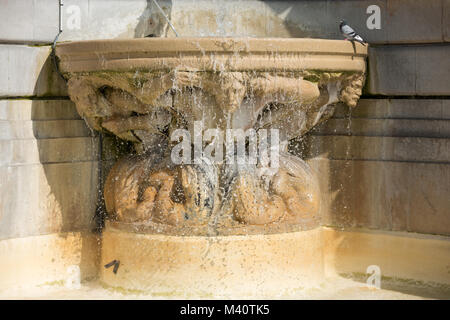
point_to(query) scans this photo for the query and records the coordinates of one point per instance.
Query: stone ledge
(44, 260)
(400, 255)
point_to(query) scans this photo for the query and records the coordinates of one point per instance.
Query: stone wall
(48, 174)
(387, 167)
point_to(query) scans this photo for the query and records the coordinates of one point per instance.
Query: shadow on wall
(317, 18)
(296, 18)
(65, 177)
(152, 23)
(65, 186)
(68, 153)
(287, 19)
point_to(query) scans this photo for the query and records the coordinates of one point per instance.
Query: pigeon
(349, 33)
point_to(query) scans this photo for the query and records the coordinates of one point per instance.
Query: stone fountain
(187, 213)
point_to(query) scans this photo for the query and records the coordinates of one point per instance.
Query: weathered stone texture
(21, 109)
(399, 255)
(28, 71)
(413, 149)
(414, 109)
(429, 118)
(385, 195)
(414, 21)
(47, 198)
(45, 260)
(387, 127)
(409, 70)
(381, 169)
(446, 19)
(48, 168)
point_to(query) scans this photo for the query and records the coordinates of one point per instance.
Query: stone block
(47, 198)
(385, 127)
(392, 71)
(40, 261)
(385, 195)
(433, 70)
(446, 109)
(432, 109)
(406, 257)
(103, 19)
(414, 21)
(428, 191)
(31, 151)
(446, 19)
(17, 20)
(38, 21)
(38, 110)
(409, 70)
(13, 129)
(28, 71)
(395, 199)
(413, 149)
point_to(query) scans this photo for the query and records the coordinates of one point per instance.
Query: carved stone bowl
(144, 90)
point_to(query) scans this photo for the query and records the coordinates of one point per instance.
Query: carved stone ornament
(144, 90)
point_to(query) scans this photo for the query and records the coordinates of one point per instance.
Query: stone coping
(212, 54)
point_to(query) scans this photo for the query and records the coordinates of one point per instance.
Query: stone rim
(212, 54)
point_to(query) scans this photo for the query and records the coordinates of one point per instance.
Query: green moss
(161, 294)
(121, 290)
(59, 283)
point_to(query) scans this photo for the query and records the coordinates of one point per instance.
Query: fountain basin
(248, 265)
(213, 224)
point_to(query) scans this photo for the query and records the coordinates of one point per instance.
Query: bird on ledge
(349, 33)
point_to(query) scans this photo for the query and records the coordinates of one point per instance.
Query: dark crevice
(400, 97)
(35, 98)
